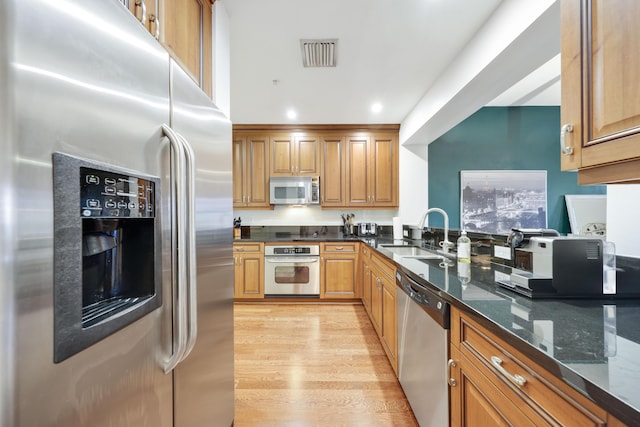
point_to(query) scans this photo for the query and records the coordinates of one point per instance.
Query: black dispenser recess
(106, 251)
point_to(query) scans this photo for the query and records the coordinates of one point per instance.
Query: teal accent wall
(502, 138)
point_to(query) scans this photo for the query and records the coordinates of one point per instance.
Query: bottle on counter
(464, 248)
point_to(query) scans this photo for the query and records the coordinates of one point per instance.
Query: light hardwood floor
(313, 365)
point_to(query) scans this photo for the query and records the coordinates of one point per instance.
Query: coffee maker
(547, 265)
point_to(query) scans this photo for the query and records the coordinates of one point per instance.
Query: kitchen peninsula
(578, 351)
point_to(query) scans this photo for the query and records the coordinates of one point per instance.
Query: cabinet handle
(452, 381)
(339, 248)
(153, 18)
(516, 379)
(566, 128)
(140, 4)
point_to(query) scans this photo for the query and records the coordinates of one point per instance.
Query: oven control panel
(292, 251)
(111, 195)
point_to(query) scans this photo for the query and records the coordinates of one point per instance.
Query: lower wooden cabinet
(494, 384)
(364, 275)
(248, 263)
(384, 312)
(338, 270)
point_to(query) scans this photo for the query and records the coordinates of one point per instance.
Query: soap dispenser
(464, 248)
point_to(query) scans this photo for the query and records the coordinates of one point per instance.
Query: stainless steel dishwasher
(423, 329)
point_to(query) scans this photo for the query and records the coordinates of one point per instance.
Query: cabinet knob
(564, 130)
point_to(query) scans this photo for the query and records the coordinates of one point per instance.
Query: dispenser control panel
(111, 195)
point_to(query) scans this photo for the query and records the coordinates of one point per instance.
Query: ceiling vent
(319, 52)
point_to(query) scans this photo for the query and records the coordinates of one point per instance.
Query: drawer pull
(452, 381)
(339, 248)
(516, 379)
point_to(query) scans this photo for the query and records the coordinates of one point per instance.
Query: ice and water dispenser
(106, 251)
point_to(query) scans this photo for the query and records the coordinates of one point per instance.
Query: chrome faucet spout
(446, 244)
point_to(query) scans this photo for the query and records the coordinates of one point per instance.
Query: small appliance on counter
(367, 229)
(560, 267)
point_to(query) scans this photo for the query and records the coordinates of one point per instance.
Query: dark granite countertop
(592, 345)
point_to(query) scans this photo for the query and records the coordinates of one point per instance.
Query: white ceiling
(412, 56)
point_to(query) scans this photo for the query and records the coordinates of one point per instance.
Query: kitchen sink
(411, 252)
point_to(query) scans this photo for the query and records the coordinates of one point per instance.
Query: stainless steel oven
(292, 270)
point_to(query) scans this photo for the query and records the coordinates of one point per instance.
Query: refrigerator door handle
(192, 304)
(178, 195)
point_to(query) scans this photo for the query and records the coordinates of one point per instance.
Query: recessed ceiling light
(376, 108)
(292, 114)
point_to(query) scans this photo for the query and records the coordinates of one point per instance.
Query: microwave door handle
(192, 276)
(178, 191)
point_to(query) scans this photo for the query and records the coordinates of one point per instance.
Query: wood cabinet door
(187, 33)
(600, 64)
(384, 170)
(358, 171)
(332, 174)
(366, 286)
(257, 167)
(238, 168)
(307, 155)
(389, 335)
(376, 300)
(282, 155)
(476, 402)
(249, 276)
(338, 276)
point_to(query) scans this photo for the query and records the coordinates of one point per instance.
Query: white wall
(221, 58)
(308, 215)
(414, 188)
(623, 215)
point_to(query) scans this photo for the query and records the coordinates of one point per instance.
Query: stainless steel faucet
(446, 244)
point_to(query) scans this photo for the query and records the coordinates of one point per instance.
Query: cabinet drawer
(541, 394)
(384, 267)
(255, 247)
(339, 247)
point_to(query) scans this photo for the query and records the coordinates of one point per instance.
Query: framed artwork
(587, 214)
(495, 201)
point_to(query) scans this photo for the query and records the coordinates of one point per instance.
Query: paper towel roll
(397, 228)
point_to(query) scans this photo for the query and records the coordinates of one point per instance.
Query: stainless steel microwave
(294, 190)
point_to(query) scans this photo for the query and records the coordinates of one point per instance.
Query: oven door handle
(280, 260)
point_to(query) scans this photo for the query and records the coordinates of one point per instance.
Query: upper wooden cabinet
(372, 165)
(187, 32)
(600, 114)
(250, 171)
(146, 12)
(333, 181)
(357, 164)
(185, 29)
(295, 155)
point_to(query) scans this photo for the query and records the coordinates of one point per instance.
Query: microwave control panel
(106, 194)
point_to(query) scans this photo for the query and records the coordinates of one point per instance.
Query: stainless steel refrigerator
(115, 196)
